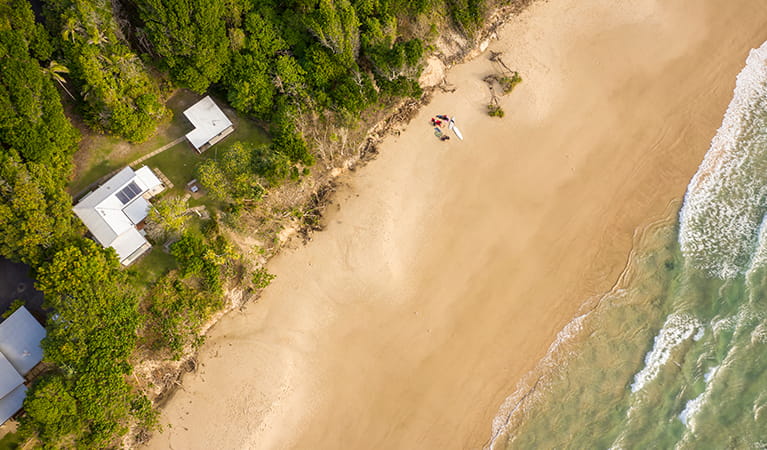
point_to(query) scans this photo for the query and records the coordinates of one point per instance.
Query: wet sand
(447, 268)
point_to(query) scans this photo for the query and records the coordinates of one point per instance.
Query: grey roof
(208, 120)
(20, 351)
(10, 378)
(20, 336)
(12, 403)
(102, 212)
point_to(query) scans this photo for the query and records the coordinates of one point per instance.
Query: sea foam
(677, 329)
(693, 407)
(690, 410)
(721, 220)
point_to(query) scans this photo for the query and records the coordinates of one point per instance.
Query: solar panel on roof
(128, 193)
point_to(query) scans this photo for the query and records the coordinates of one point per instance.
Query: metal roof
(116, 207)
(20, 336)
(208, 120)
(12, 403)
(10, 378)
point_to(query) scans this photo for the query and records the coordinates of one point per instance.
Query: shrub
(495, 110)
(509, 82)
(261, 278)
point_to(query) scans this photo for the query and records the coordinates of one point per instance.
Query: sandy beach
(447, 268)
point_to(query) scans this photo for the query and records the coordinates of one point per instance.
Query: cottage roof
(20, 336)
(116, 207)
(10, 378)
(11, 403)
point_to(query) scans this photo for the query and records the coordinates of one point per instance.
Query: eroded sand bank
(448, 268)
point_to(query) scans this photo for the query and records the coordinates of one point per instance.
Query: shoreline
(538, 378)
(313, 333)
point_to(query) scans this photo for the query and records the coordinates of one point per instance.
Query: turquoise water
(675, 356)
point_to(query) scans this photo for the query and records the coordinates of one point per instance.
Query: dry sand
(448, 268)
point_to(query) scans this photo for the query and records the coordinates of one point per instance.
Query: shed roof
(208, 120)
(20, 336)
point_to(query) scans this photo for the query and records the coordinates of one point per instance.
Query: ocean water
(675, 356)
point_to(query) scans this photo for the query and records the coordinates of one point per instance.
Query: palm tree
(86, 91)
(97, 37)
(54, 70)
(71, 29)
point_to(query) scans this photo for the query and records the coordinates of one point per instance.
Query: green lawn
(150, 267)
(101, 155)
(179, 163)
(11, 441)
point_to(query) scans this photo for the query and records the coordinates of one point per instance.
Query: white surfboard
(455, 129)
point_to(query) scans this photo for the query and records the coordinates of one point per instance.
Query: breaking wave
(676, 330)
(721, 221)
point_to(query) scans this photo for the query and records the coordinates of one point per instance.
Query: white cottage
(210, 124)
(112, 211)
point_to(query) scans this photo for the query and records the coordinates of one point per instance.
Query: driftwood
(444, 86)
(496, 58)
(504, 76)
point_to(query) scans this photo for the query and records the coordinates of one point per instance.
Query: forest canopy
(36, 140)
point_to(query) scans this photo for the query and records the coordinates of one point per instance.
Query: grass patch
(179, 163)
(153, 265)
(11, 441)
(100, 155)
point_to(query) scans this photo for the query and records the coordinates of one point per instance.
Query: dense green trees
(91, 335)
(280, 60)
(467, 14)
(251, 73)
(231, 177)
(51, 409)
(36, 141)
(118, 94)
(189, 38)
(32, 120)
(177, 310)
(203, 258)
(335, 25)
(241, 173)
(35, 212)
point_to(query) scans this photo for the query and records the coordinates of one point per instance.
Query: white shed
(210, 124)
